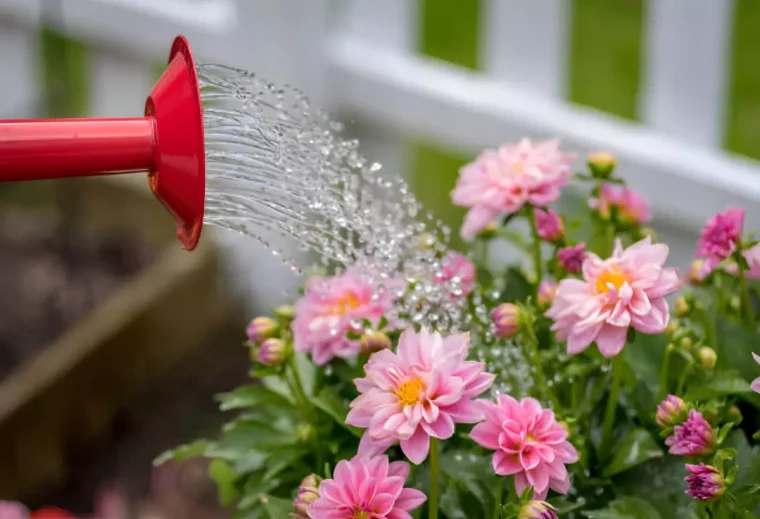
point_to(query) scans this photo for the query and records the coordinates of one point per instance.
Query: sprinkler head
(178, 174)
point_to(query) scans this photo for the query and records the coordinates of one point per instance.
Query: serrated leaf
(637, 447)
(249, 396)
(183, 452)
(625, 508)
(331, 404)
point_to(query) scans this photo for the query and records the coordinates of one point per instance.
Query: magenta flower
(271, 352)
(261, 328)
(459, 272)
(500, 182)
(364, 488)
(330, 308)
(756, 383)
(705, 482)
(537, 510)
(571, 258)
(529, 444)
(547, 291)
(671, 411)
(420, 391)
(694, 437)
(719, 237)
(506, 320)
(626, 290)
(549, 225)
(629, 206)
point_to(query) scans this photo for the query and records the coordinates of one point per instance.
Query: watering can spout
(167, 143)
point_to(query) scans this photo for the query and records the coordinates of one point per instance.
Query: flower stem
(434, 470)
(664, 372)
(499, 495)
(297, 386)
(536, 360)
(609, 413)
(684, 376)
(708, 325)
(537, 261)
(749, 314)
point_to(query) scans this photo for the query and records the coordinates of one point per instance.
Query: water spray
(167, 142)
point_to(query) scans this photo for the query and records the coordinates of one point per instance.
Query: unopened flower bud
(488, 232)
(682, 307)
(373, 342)
(686, 343)
(671, 330)
(307, 493)
(736, 303)
(705, 482)
(547, 291)
(695, 274)
(707, 357)
(734, 415)
(571, 258)
(601, 164)
(692, 438)
(262, 328)
(285, 312)
(549, 225)
(271, 352)
(671, 411)
(506, 320)
(537, 510)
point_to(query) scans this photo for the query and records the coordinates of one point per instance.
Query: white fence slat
(119, 84)
(19, 90)
(390, 23)
(686, 65)
(525, 42)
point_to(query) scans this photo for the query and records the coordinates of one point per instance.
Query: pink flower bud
(671, 411)
(537, 510)
(307, 494)
(549, 225)
(601, 164)
(506, 320)
(705, 482)
(271, 352)
(694, 437)
(547, 290)
(571, 258)
(261, 328)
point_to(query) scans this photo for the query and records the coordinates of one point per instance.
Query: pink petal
(399, 468)
(465, 411)
(756, 385)
(410, 498)
(611, 340)
(417, 447)
(506, 465)
(442, 428)
(486, 435)
(381, 504)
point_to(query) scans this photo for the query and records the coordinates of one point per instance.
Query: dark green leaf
(282, 459)
(625, 508)
(183, 452)
(224, 477)
(331, 404)
(659, 481)
(249, 396)
(307, 370)
(637, 447)
(517, 287)
(724, 383)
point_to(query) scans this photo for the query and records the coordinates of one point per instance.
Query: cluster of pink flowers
(500, 182)
(626, 290)
(720, 238)
(330, 308)
(629, 206)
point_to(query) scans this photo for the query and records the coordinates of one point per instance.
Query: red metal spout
(167, 142)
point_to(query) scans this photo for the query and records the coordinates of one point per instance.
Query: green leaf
(242, 436)
(183, 452)
(307, 370)
(282, 459)
(625, 508)
(659, 481)
(224, 477)
(723, 384)
(249, 396)
(517, 287)
(275, 507)
(637, 447)
(331, 404)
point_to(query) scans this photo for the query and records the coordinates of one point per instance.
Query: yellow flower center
(361, 515)
(344, 304)
(408, 393)
(613, 276)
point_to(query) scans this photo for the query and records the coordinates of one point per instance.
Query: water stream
(278, 167)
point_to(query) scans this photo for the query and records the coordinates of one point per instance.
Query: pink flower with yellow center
(629, 206)
(420, 391)
(720, 237)
(499, 182)
(330, 308)
(457, 271)
(626, 290)
(529, 444)
(364, 488)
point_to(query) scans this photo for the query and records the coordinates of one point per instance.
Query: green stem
(297, 387)
(499, 495)
(434, 470)
(537, 261)
(684, 376)
(749, 314)
(609, 413)
(664, 372)
(536, 359)
(609, 240)
(484, 253)
(708, 325)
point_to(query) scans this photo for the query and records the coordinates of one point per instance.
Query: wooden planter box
(65, 398)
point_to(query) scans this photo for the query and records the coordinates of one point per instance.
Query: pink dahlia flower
(625, 290)
(756, 383)
(705, 482)
(330, 308)
(694, 437)
(529, 444)
(500, 182)
(571, 258)
(719, 237)
(459, 272)
(364, 488)
(549, 225)
(420, 391)
(629, 206)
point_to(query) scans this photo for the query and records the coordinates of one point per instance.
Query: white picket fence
(356, 57)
